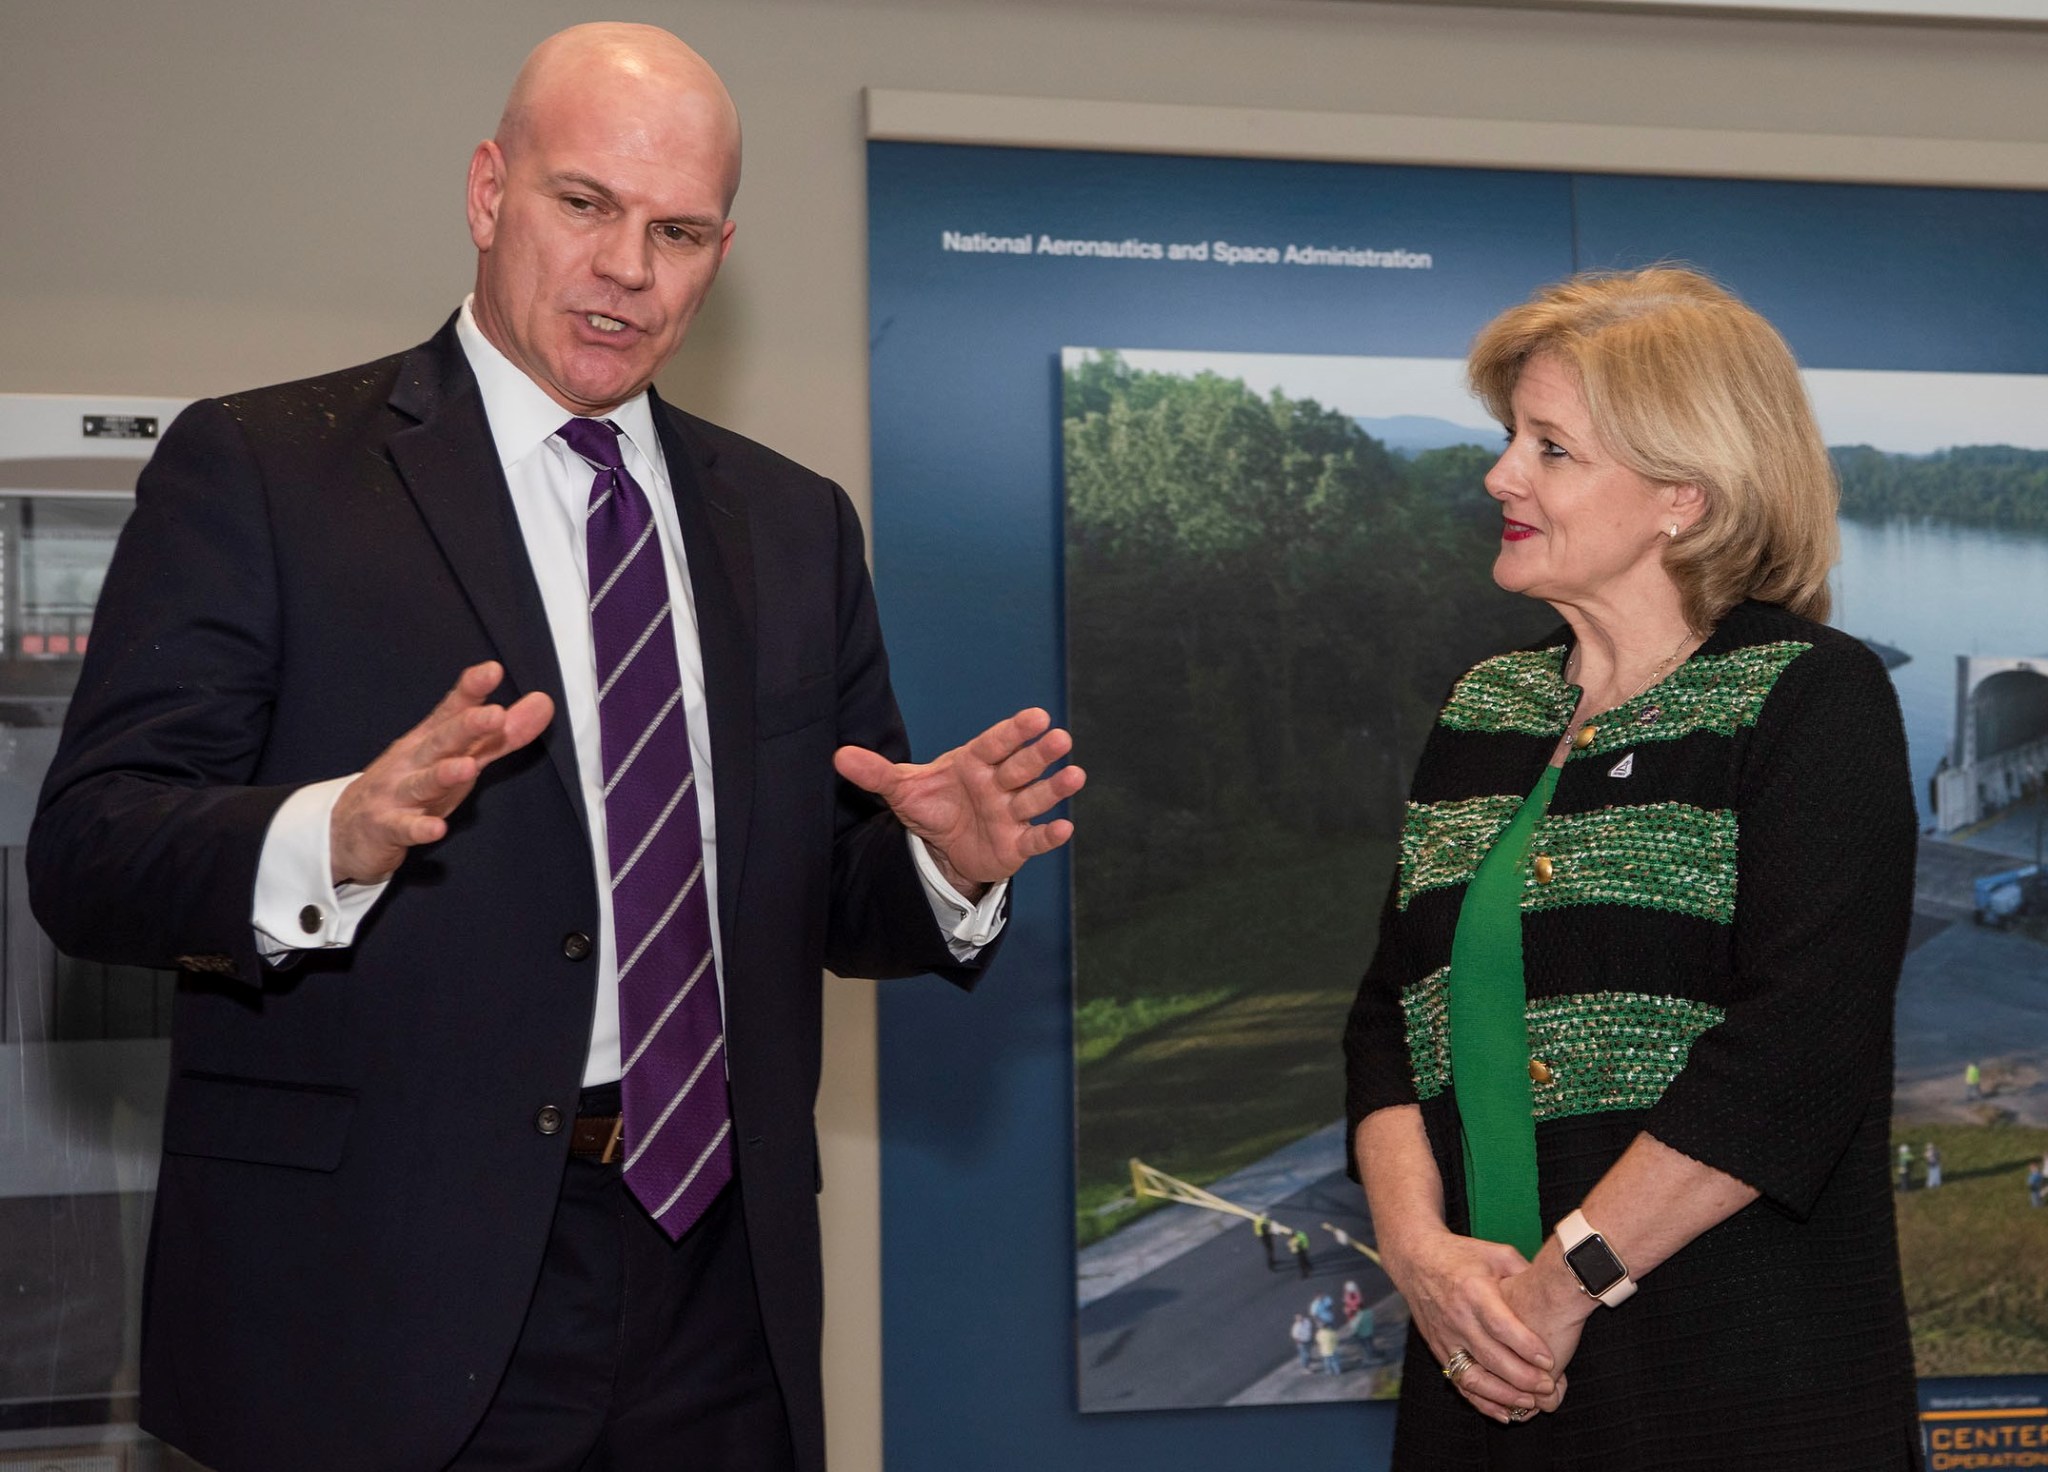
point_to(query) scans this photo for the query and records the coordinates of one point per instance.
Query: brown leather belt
(595, 1137)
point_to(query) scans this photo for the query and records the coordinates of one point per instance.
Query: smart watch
(1600, 1273)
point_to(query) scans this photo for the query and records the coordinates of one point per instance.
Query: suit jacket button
(310, 919)
(576, 945)
(549, 1120)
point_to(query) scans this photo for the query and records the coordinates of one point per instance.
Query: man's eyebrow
(584, 183)
(587, 185)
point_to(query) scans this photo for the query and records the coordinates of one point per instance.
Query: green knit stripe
(1721, 693)
(1603, 1050)
(1522, 691)
(1658, 856)
(1427, 1006)
(1611, 1050)
(1443, 842)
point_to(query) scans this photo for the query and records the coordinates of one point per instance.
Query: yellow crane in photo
(1157, 1184)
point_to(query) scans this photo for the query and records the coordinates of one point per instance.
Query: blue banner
(986, 265)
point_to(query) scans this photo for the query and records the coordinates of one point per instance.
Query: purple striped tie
(678, 1128)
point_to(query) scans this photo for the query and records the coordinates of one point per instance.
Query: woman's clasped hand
(1457, 1290)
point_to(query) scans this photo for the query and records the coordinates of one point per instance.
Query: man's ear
(486, 192)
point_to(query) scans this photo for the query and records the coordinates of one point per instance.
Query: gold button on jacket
(1544, 869)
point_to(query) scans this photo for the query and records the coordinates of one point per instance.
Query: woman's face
(1579, 527)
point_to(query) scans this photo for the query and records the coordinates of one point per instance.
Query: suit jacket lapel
(449, 464)
(719, 545)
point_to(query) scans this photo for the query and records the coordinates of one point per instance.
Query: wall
(199, 197)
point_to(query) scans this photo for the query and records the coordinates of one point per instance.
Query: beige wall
(196, 197)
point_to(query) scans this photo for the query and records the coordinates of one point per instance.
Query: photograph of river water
(1933, 590)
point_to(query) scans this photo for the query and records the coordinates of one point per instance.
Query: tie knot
(596, 440)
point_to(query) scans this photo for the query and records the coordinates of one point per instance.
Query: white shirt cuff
(968, 926)
(298, 906)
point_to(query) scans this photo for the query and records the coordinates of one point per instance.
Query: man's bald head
(600, 210)
(614, 63)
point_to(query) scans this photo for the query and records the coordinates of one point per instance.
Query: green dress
(1490, 1038)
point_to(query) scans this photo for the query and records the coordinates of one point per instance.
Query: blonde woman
(1620, 1071)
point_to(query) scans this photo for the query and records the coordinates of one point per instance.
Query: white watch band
(1575, 1229)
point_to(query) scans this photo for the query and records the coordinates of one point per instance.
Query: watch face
(1595, 1266)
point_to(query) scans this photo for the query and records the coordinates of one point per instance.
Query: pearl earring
(1673, 532)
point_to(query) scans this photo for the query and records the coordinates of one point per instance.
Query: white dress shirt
(550, 485)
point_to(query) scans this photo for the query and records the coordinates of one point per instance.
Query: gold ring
(1461, 1361)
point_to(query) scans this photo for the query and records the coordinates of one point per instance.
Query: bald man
(501, 754)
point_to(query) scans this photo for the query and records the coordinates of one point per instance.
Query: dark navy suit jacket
(355, 1192)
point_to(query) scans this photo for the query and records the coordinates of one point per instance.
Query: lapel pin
(1623, 767)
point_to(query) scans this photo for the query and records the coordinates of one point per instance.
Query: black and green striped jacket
(1714, 917)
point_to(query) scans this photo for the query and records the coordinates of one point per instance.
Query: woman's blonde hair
(1686, 384)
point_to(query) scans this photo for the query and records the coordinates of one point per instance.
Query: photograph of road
(1275, 565)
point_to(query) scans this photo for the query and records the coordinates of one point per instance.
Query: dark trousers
(638, 1354)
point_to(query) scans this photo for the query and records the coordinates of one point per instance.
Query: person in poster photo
(1619, 1074)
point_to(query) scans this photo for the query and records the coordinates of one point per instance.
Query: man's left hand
(974, 806)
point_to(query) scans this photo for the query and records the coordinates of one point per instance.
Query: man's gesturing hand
(404, 797)
(974, 806)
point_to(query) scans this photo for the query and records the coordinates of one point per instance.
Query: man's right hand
(404, 797)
